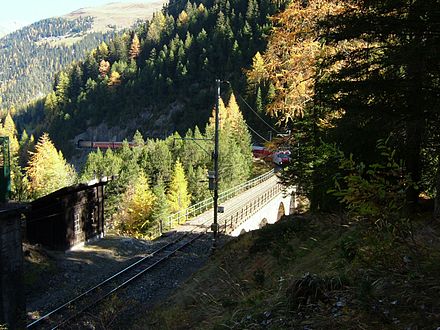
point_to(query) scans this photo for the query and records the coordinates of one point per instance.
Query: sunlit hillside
(30, 56)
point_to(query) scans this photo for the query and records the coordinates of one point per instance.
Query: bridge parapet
(183, 216)
(237, 217)
(266, 208)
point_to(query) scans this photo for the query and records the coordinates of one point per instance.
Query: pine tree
(51, 107)
(240, 134)
(259, 101)
(178, 196)
(102, 52)
(157, 161)
(62, 89)
(47, 169)
(92, 168)
(24, 148)
(115, 79)
(197, 184)
(7, 128)
(235, 154)
(160, 209)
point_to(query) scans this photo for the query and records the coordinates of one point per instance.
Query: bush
(377, 192)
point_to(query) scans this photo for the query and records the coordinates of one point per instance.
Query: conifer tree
(62, 89)
(160, 209)
(24, 148)
(7, 128)
(197, 184)
(47, 169)
(178, 196)
(157, 161)
(258, 101)
(240, 135)
(235, 158)
(92, 168)
(115, 79)
(102, 52)
(104, 68)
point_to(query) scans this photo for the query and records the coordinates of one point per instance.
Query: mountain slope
(119, 15)
(310, 272)
(159, 78)
(31, 56)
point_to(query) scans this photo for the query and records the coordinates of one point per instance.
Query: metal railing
(236, 217)
(182, 216)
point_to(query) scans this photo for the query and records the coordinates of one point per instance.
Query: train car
(281, 158)
(87, 144)
(261, 152)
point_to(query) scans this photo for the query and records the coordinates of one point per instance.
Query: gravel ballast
(54, 277)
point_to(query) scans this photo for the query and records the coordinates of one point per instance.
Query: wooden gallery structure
(67, 217)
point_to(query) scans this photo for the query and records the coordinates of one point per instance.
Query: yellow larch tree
(290, 62)
(178, 196)
(135, 48)
(47, 169)
(139, 201)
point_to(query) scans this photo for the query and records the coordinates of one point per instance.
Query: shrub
(377, 192)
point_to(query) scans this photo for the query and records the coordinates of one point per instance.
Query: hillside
(30, 56)
(158, 78)
(117, 15)
(311, 272)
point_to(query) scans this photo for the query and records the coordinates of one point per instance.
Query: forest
(159, 78)
(148, 181)
(359, 96)
(356, 83)
(31, 56)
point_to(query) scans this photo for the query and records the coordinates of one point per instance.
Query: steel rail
(47, 316)
(89, 306)
(225, 195)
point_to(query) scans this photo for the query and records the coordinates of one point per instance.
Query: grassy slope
(121, 15)
(112, 16)
(312, 272)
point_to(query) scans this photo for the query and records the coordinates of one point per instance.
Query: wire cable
(256, 133)
(255, 112)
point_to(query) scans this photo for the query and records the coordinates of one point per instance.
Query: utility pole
(215, 226)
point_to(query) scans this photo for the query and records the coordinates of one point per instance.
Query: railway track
(61, 316)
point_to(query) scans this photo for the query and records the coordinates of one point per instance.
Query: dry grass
(119, 15)
(311, 273)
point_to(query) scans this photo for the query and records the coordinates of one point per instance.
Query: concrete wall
(12, 299)
(282, 204)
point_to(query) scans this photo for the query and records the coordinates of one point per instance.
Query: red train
(261, 152)
(280, 157)
(84, 144)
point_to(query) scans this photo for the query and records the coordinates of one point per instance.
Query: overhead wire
(256, 133)
(255, 112)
